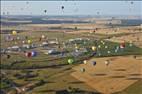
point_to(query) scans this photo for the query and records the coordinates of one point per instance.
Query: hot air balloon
(29, 41)
(85, 61)
(62, 7)
(33, 53)
(42, 36)
(94, 48)
(99, 46)
(70, 61)
(14, 32)
(28, 54)
(45, 11)
(94, 63)
(82, 69)
(106, 47)
(122, 45)
(108, 52)
(107, 62)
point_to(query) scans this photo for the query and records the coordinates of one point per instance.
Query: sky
(71, 8)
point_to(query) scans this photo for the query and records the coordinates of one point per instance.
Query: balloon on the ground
(108, 52)
(70, 61)
(28, 54)
(122, 45)
(85, 61)
(33, 53)
(93, 48)
(94, 63)
(107, 62)
(29, 41)
(82, 69)
(42, 36)
(99, 46)
(14, 32)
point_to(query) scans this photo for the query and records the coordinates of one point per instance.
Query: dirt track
(118, 75)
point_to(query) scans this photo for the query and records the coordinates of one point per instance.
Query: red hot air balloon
(28, 54)
(122, 45)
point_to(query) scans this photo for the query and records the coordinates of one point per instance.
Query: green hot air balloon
(70, 61)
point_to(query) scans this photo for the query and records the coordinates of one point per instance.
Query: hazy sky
(72, 7)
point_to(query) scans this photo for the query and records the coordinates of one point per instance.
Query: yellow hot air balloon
(93, 48)
(29, 41)
(14, 32)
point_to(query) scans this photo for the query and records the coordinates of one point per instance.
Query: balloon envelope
(33, 53)
(93, 48)
(62, 7)
(85, 61)
(94, 63)
(82, 69)
(70, 61)
(14, 32)
(29, 41)
(28, 54)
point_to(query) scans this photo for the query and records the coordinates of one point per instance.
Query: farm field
(70, 54)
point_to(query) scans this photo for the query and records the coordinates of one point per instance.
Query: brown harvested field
(117, 76)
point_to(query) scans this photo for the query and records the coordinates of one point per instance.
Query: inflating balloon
(70, 61)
